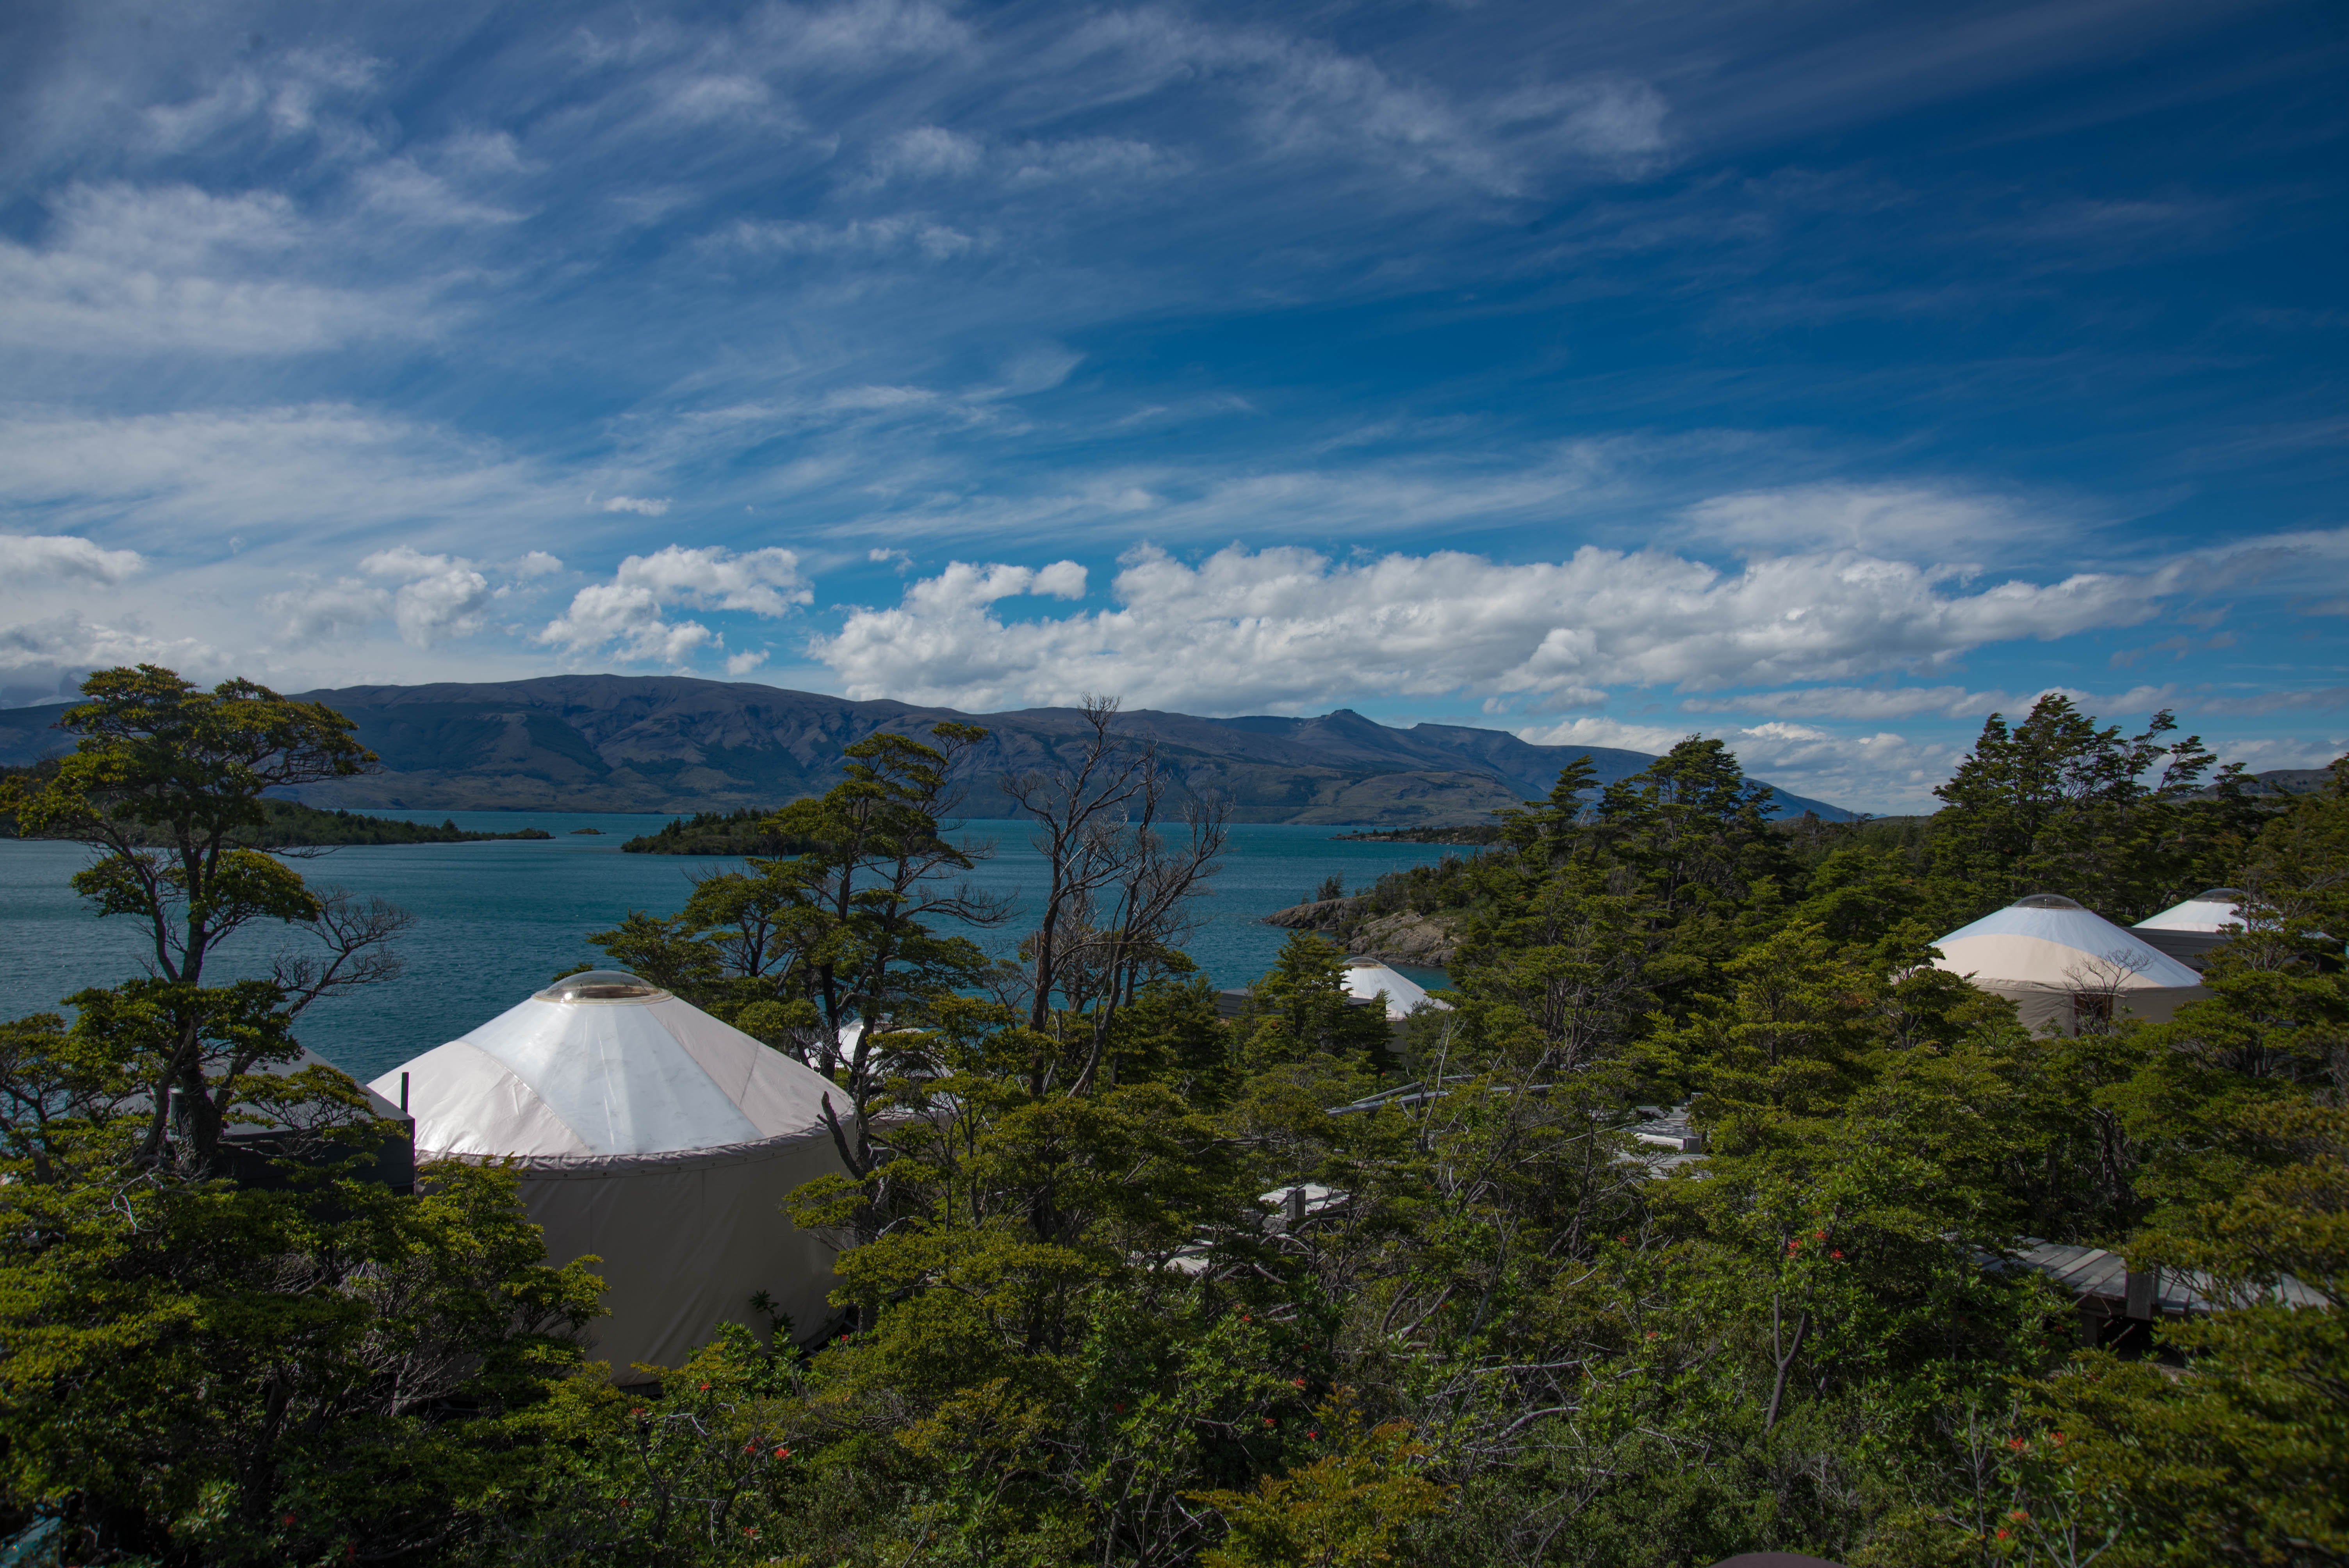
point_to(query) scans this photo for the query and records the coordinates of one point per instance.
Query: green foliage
(742, 831)
(1130, 1283)
(1301, 1009)
(2057, 805)
(200, 1372)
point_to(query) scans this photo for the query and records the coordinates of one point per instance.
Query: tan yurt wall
(2063, 966)
(649, 1135)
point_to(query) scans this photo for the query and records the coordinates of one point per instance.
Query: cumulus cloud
(537, 563)
(627, 614)
(1286, 627)
(30, 558)
(640, 505)
(440, 596)
(47, 657)
(316, 612)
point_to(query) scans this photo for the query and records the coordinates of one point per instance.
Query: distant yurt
(2063, 966)
(1366, 977)
(2188, 931)
(652, 1135)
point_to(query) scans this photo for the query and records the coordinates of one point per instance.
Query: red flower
(1297, 1382)
(1267, 1421)
(2017, 1444)
(287, 1521)
(2018, 1516)
(705, 1388)
(1116, 1409)
(1312, 1434)
(2001, 1535)
(2054, 1437)
(1836, 1254)
(1822, 1235)
(783, 1453)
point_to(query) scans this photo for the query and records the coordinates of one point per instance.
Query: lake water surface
(494, 921)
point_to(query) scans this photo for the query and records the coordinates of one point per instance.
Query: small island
(737, 832)
(1458, 833)
(289, 825)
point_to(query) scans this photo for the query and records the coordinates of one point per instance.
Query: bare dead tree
(1117, 890)
(352, 937)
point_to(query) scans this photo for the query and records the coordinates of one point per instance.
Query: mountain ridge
(676, 743)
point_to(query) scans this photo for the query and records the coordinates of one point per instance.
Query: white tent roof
(602, 1065)
(1366, 977)
(2048, 940)
(2207, 911)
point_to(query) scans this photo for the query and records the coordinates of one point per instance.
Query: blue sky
(1821, 376)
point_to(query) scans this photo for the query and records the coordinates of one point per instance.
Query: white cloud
(537, 563)
(306, 473)
(637, 504)
(1883, 520)
(627, 612)
(29, 558)
(739, 664)
(1287, 628)
(137, 269)
(859, 237)
(47, 657)
(439, 597)
(925, 153)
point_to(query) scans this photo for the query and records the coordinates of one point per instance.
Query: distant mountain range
(663, 743)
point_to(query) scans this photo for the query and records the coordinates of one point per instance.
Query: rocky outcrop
(1403, 936)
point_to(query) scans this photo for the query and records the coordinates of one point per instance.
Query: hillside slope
(665, 743)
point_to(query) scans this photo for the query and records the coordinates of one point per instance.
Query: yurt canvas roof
(2046, 940)
(650, 1135)
(602, 1065)
(2207, 911)
(1366, 977)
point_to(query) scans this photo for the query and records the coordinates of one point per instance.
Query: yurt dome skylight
(601, 985)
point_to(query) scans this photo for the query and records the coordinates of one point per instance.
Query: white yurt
(652, 1135)
(2062, 965)
(1366, 977)
(2189, 930)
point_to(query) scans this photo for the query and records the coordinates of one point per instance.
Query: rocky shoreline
(1405, 936)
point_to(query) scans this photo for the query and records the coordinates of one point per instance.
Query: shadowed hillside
(624, 743)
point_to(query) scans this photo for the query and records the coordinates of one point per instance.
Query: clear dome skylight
(602, 985)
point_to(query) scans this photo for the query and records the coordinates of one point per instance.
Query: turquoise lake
(494, 921)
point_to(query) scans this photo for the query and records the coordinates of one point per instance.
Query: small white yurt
(1366, 977)
(2188, 931)
(2063, 966)
(652, 1135)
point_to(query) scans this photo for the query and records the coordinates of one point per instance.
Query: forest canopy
(1692, 1225)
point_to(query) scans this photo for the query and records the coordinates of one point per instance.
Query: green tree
(2057, 805)
(163, 781)
(1301, 1009)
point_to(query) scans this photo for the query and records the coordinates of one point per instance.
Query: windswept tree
(165, 784)
(823, 954)
(2122, 823)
